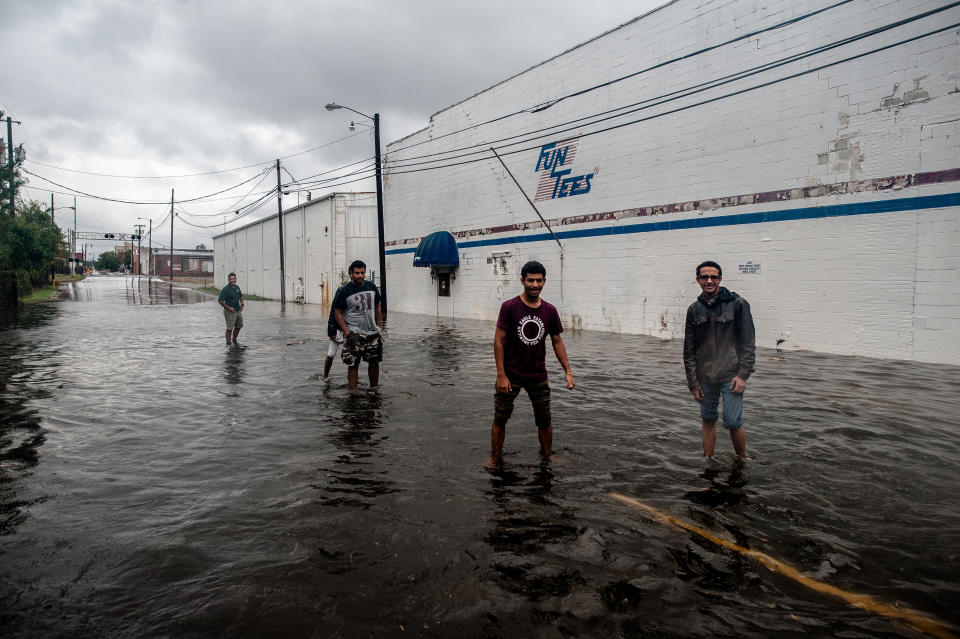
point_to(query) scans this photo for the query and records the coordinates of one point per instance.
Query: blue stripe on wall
(786, 215)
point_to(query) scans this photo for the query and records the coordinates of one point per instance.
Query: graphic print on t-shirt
(531, 330)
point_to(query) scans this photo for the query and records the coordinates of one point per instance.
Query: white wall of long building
(831, 199)
(321, 239)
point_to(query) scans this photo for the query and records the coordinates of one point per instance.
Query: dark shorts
(539, 393)
(368, 348)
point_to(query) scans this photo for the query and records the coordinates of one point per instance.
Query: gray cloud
(167, 88)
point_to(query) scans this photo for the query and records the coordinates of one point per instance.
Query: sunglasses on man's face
(707, 278)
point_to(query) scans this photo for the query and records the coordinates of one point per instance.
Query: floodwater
(154, 482)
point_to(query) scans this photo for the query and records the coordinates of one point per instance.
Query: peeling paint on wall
(917, 94)
(852, 164)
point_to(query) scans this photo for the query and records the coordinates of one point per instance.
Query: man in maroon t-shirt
(519, 348)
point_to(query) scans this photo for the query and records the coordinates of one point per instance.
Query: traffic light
(109, 236)
(134, 237)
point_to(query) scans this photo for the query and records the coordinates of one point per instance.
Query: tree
(30, 243)
(8, 173)
(201, 247)
(108, 261)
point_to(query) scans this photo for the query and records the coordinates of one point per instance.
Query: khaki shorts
(234, 319)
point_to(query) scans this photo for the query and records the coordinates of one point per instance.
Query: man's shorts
(234, 319)
(539, 393)
(732, 404)
(368, 348)
(335, 343)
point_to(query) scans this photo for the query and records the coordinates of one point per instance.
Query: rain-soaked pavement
(154, 482)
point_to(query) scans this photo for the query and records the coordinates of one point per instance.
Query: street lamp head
(332, 107)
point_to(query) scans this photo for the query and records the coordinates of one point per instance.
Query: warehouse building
(812, 148)
(321, 238)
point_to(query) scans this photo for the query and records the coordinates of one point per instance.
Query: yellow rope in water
(917, 620)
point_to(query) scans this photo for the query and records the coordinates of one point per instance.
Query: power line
(236, 205)
(696, 104)
(698, 88)
(189, 175)
(108, 199)
(686, 56)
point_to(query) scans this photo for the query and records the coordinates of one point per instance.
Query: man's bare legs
(737, 436)
(373, 373)
(739, 439)
(497, 435)
(327, 364)
(709, 431)
(545, 435)
(236, 332)
(227, 335)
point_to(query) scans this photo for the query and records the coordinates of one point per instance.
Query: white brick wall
(879, 284)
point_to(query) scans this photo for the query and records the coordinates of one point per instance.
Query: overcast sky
(162, 89)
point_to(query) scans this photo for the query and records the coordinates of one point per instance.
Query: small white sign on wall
(749, 268)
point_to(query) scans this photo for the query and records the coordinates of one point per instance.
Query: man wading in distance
(336, 339)
(519, 349)
(719, 355)
(356, 308)
(231, 299)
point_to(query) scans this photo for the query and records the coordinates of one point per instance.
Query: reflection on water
(154, 482)
(27, 373)
(233, 365)
(353, 479)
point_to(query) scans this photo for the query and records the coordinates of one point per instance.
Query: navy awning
(437, 249)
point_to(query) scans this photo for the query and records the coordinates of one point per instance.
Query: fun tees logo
(555, 179)
(531, 330)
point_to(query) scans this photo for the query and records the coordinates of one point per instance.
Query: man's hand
(697, 394)
(503, 384)
(570, 382)
(738, 385)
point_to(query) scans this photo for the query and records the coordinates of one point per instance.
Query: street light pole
(73, 240)
(379, 175)
(383, 254)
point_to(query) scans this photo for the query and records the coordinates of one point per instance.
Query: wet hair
(713, 264)
(231, 275)
(355, 265)
(533, 268)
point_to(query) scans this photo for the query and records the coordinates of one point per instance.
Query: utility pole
(13, 209)
(73, 241)
(172, 215)
(53, 267)
(139, 249)
(283, 292)
(150, 249)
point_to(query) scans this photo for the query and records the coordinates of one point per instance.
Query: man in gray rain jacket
(719, 353)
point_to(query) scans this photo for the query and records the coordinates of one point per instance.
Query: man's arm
(503, 384)
(338, 316)
(690, 358)
(561, 352)
(379, 316)
(242, 303)
(746, 346)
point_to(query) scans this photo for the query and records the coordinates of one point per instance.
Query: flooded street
(154, 482)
